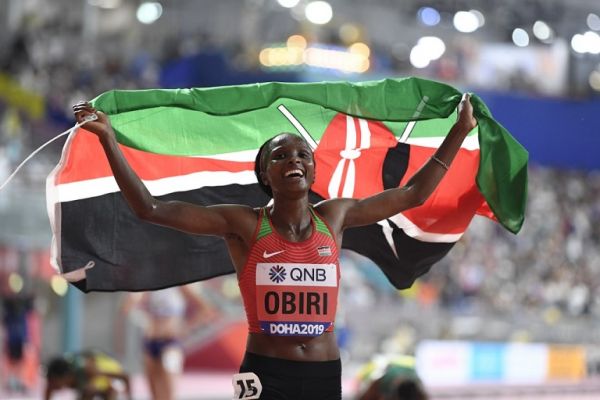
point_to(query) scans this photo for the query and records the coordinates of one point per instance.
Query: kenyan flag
(199, 145)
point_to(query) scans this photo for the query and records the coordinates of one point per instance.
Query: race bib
(296, 299)
(246, 385)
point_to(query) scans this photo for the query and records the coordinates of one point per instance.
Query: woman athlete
(285, 254)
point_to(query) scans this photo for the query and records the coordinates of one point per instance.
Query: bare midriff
(163, 327)
(296, 348)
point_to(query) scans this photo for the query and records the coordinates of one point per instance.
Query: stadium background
(502, 316)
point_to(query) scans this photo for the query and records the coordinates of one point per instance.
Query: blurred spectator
(15, 311)
(391, 378)
(20, 329)
(92, 374)
(168, 315)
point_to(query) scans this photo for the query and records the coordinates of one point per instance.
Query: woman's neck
(291, 216)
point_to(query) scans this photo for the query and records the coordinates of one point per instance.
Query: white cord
(29, 157)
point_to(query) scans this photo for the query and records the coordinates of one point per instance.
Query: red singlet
(291, 288)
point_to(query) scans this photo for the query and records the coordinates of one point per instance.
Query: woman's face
(288, 165)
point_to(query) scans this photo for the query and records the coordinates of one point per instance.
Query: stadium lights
(15, 282)
(419, 57)
(297, 41)
(59, 285)
(360, 48)
(288, 3)
(149, 12)
(296, 53)
(318, 12)
(593, 22)
(542, 31)
(520, 37)
(428, 16)
(480, 17)
(588, 42)
(427, 49)
(108, 4)
(466, 21)
(349, 33)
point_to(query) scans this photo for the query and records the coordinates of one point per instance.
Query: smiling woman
(285, 254)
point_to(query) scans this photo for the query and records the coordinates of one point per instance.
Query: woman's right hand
(100, 127)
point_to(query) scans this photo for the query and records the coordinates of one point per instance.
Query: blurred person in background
(167, 316)
(291, 351)
(390, 378)
(20, 326)
(15, 311)
(91, 374)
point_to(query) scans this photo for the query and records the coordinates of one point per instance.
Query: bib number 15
(246, 386)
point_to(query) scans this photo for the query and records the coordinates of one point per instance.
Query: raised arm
(350, 212)
(213, 220)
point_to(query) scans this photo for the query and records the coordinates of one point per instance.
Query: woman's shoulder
(238, 210)
(331, 208)
(333, 212)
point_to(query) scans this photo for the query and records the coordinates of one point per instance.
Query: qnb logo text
(308, 274)
(279, 273)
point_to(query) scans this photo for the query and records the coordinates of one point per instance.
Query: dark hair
(410, 389)
(258, 167)
(258, 161)
(58, 367)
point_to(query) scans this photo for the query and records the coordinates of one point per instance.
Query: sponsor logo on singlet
(295, 298)
(277, 273)
(295, 274)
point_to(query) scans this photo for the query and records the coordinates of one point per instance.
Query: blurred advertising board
(447, 363)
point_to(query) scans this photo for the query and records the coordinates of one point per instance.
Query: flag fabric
(199, 144)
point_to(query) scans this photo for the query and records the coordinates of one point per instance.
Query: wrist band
(437, 160)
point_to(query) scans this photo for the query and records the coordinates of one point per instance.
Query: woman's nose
(295, 158)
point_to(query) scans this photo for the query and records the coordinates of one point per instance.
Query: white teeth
(294, 171)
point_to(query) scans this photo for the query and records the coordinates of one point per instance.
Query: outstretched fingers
(95, 121)
(82, 111)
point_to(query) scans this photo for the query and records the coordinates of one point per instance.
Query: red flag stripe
(87, 161)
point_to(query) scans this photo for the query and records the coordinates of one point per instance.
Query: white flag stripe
(52, 206)
(290, 117)
(296, 274)
(240, 156)
(100, 186)
(350, 181)
(420, 106)
(336, 180)
(365, 134)
(407, 131)
(415, 232)
(387, 233)
(409, 127)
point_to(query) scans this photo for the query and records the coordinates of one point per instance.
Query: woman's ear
(263, 178)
